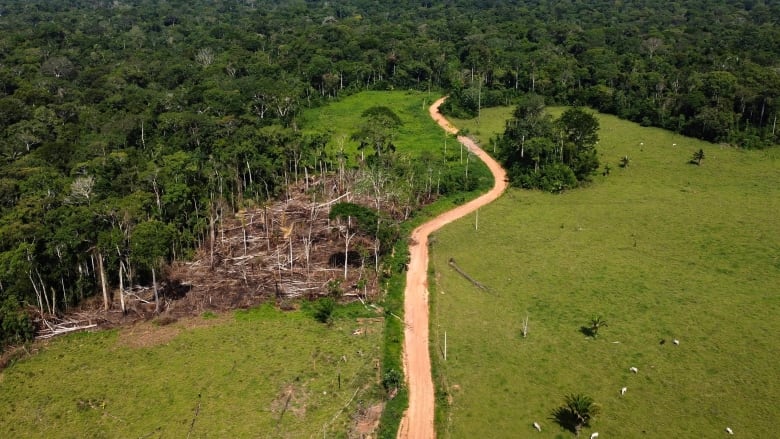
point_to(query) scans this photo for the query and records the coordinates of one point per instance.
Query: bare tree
(204, 57)
(58, 66)
(652, 45)
(103, 283)
(81, 189)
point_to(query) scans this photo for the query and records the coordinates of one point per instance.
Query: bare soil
(367, 421)
(144, 334)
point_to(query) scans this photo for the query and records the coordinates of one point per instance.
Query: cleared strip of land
(418, 421)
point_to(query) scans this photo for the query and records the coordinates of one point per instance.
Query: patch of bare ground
(12, 354)
(368, 325)
(148, 333)
(291, 399)
(367, 421)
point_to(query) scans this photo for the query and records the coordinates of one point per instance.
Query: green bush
(15, 324)
(392, 380)
(334, 288)
(323, 310)
(555, 177)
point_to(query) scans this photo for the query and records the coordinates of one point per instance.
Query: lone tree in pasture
(576, 412)
(697, 157)
(377, 130)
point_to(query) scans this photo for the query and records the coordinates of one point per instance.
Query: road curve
(417, 422)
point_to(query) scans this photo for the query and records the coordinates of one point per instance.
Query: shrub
(391, 380)
(577, 412)
(334, 288)
(15, 324)
(323, 310)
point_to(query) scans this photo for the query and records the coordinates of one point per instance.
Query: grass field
(227, 377)
(661, 249)
(342, 118)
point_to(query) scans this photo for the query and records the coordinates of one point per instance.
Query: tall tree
(579, 135)
(150, 246)
(378, 129)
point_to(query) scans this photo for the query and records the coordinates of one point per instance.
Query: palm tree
(698, 156)
(595, 324)
(577, 412)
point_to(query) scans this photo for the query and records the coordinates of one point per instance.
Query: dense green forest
(553, 155)
(128, 128)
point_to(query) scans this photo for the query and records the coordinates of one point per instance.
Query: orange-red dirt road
(417, 422)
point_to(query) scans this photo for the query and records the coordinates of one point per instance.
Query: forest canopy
(118, 116)
(547, 154)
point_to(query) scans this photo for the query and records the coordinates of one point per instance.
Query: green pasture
(661, 250)
(260, 373)
(419, 133)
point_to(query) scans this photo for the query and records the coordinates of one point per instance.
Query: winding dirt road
(418, 419)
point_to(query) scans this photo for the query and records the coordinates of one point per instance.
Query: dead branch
(194, 417)
(56, 330)
(332, 201)
(286, 249)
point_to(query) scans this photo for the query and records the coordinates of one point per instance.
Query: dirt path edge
(418, 419)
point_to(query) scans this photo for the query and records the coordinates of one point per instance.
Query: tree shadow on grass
(588, 331)
(576, 413)
(566, 418)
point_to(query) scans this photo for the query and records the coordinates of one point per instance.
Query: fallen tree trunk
(59, 330)
(476, 283)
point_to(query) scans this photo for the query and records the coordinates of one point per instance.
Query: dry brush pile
(283, 251)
